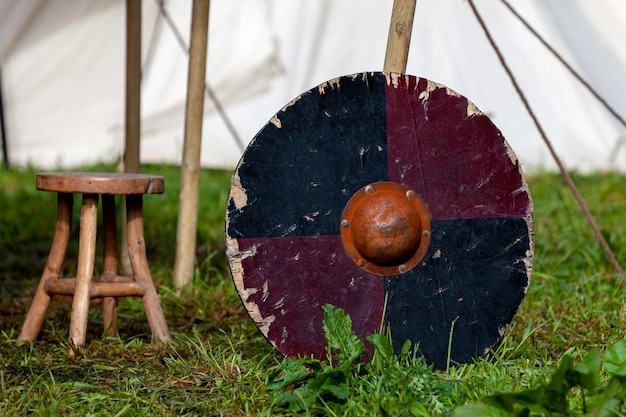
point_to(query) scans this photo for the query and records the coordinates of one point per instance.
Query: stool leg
(84, 270)
(54, 264)
(141, 271)
(109, 304)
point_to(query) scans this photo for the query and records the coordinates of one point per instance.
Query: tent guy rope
(210, 92)
(544, 136)
(571, 69)
(5, 153)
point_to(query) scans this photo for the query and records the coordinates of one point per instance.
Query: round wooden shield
(392, 197)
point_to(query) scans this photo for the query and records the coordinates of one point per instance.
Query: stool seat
(100, 183)
(109, 285)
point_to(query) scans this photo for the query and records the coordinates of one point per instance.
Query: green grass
(219, 364)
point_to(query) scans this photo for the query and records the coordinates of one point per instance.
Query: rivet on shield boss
(391, 197)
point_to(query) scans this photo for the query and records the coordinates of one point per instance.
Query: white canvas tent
(62, 70)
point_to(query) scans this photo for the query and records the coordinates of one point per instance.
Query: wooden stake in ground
(399, 36)
(133, 111)
(133, 86)
(190, 168)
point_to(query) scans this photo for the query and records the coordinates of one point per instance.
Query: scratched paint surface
(308, 272)
(299, 176)
(298, 173)
(467, 285)
(451, 154)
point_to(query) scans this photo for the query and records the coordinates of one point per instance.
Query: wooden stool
(109, 285)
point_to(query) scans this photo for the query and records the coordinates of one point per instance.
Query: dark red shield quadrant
(320, 169)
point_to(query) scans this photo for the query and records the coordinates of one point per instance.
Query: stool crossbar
(109, 285)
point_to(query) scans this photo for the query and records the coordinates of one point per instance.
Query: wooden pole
(190, 168)
(133, 111)
(399, 36)
(133, 86)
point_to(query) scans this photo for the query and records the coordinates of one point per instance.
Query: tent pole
(190, 168)
(3, 134)
(133, 86)
(399, 38)
(132, 123)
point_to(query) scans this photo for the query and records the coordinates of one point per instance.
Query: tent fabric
(63, 72)
(63, 68)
